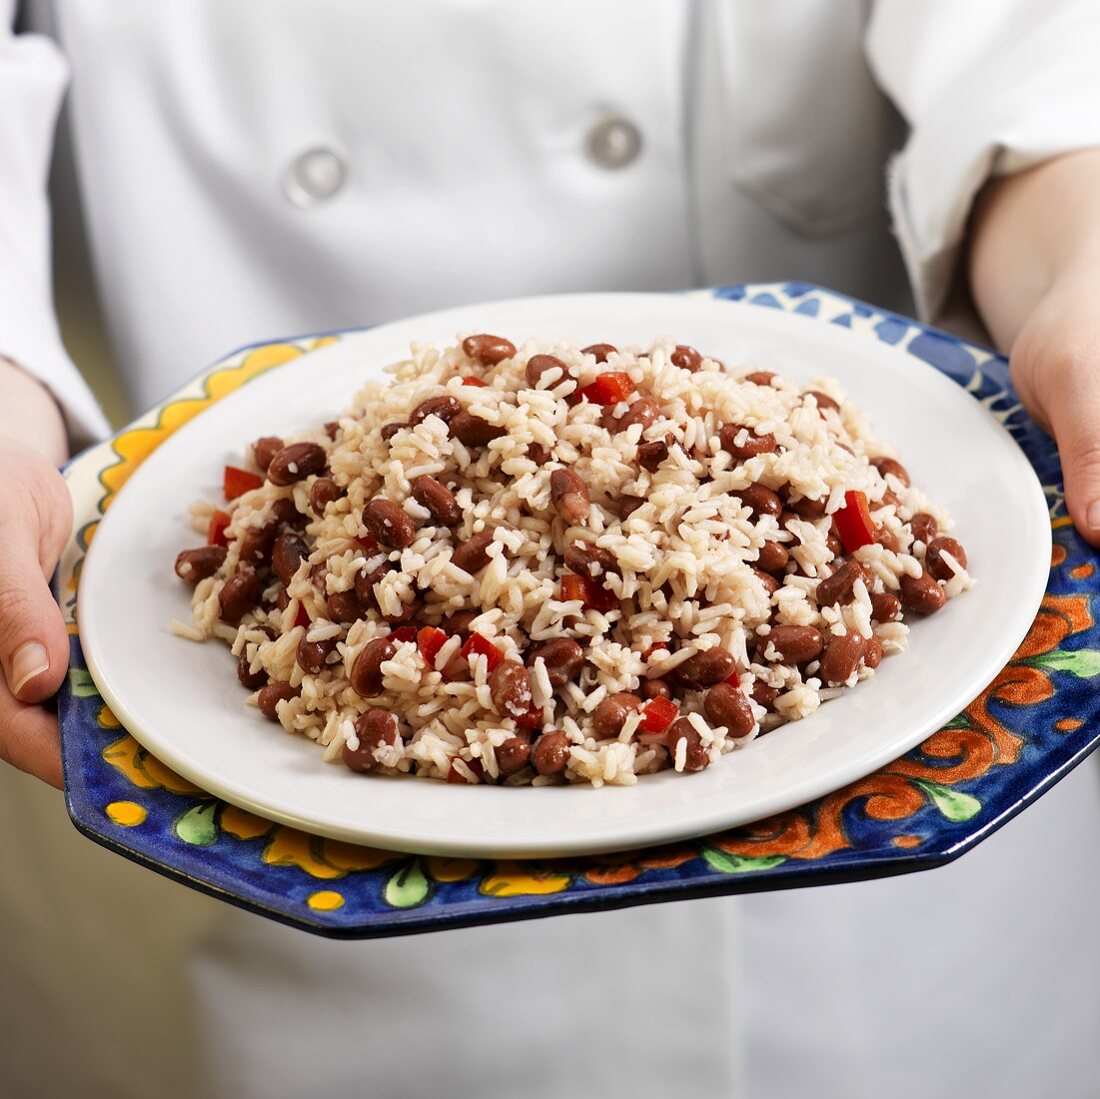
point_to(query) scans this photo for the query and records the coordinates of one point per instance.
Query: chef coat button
(613, 142)
(313, 176)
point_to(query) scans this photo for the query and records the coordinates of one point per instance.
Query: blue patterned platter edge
(1028, 729)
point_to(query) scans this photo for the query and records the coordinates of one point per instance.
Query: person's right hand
(35, 521)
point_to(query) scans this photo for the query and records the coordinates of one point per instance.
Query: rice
(708, 504)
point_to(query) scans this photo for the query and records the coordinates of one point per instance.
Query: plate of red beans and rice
(604, 570)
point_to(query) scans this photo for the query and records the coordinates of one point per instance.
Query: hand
(35, 521)
(1055, 359)
(1035, 277)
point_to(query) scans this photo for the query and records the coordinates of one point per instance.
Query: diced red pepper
(404, 633)
(455, 775)
(302, 617)
(660, 647)
(429, 640)
(609, 388)
(473, 381)
(215, 533)
(597, 597)
(237, 481)
(572, 587)
(733, 679)
(658, 714)
(476, 644)
(369, 544)
(853, 521)
(590, 592)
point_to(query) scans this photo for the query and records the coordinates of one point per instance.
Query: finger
(1073, 408)
(34, 648)
(29, 739)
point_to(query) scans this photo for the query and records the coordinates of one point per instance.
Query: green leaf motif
(956, 806)
(1083, 663)
(408, 887)
(81, 684)
(959, 721)
(197, 826)
(740, 864)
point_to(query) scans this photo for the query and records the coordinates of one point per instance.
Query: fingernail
(1093, 515)
(30, 659)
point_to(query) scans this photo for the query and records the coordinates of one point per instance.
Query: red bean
(344, 607)
(763, 694)
(705, 669)
(366, 672)
(471, 430)
(695, 756)
(843, 653)
(295, 463)
(891, 467)
(687, 358)
(873, 653)
(600, 351)
(539, 454)
(643, 411)
(438, 499)
(250, 679)
(513, 755)
(313, 655)
(588, 559)
(510, 688)
(726, 705)
(460, 623)
(824, 401)
(771, 583)
(794, 644)
(924, 527)
(373, 728)
(750, 447)
(194, 565)
(652, 454)
(472, 555)
(488, 350)
(550, 753)
(388, 522)
(445, 407)
(933, 557)
(773, 557)
(569, 495)
(760, 500)
(323, 491)
(610, 715)
(760, 377)
(270, 696)
(287, 554)
(838, 587)
(264, 449)
(563, 658)
(922, 594)
(885, 606)
(655, 688)
(388, 431)
(538, 365)
(239, 595)
(806, 508)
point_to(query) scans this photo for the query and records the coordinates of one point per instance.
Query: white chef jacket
(260, 168)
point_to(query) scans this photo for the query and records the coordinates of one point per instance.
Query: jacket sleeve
(988, 88)
(33, 76)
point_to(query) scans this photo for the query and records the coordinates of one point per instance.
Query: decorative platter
(1025, 730)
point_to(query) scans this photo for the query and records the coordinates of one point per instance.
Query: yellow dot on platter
(325, 900)
(126, 813)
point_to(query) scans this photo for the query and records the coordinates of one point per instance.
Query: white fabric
(461, 128)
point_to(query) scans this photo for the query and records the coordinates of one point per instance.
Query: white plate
(183, 702)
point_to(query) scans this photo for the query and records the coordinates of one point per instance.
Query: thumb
(1074, 413)
(34, 647)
